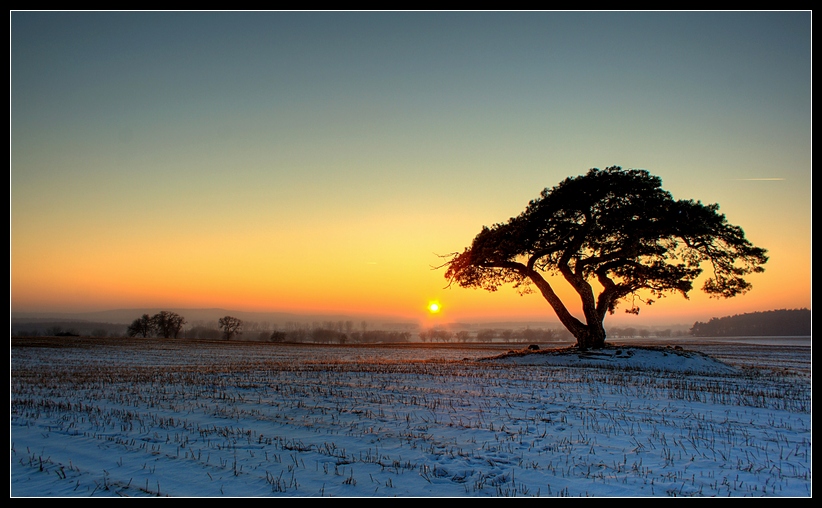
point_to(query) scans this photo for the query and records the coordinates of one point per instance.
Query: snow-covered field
(173, 418)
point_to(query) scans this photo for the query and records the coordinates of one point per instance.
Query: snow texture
(155, 418)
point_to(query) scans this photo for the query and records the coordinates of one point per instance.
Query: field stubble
(150, 417)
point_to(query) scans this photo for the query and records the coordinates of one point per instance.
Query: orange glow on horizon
(341, 196)
(368, 292)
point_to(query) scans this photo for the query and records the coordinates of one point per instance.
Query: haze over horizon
(320, 162)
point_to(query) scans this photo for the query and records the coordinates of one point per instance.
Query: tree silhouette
(142, 326)
(619, 228)
(230, 326)
(168, 324)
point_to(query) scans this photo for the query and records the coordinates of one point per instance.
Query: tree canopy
(168, 324)
(230, 326)
(616, 227)
(164, 323)
(143, 326)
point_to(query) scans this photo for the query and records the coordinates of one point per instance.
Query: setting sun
(246, 183)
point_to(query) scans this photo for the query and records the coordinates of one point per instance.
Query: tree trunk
(598, 337)
(590, 337)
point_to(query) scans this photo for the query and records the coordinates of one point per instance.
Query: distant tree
(142, 326)
(463, 336)
(168, 324)
(532, 335)
(382, 336)
(277, 336)
(298, 335)
(326, 335)
(230, 326)
(436, 335)
(54, 330)
(619, 228)
(486, 335)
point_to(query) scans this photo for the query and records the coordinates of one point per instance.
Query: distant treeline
(795, 322)
(342, 332)
(783, 322)
(37, 328)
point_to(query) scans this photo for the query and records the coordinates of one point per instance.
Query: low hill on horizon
(782, 322)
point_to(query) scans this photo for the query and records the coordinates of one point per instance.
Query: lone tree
(619, 228)
(230, 326)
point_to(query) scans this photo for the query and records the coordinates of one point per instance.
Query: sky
(323, 162)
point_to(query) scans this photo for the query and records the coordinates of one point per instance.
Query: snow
(625, 358)
(188, 419)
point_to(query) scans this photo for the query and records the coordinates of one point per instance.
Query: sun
(434, 307)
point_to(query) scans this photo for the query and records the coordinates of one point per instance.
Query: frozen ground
(147, 418)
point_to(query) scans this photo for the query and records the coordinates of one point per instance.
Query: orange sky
(300, 163)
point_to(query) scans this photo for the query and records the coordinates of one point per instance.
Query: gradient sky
(319, 162)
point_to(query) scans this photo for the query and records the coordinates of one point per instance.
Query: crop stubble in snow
(152, 417)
